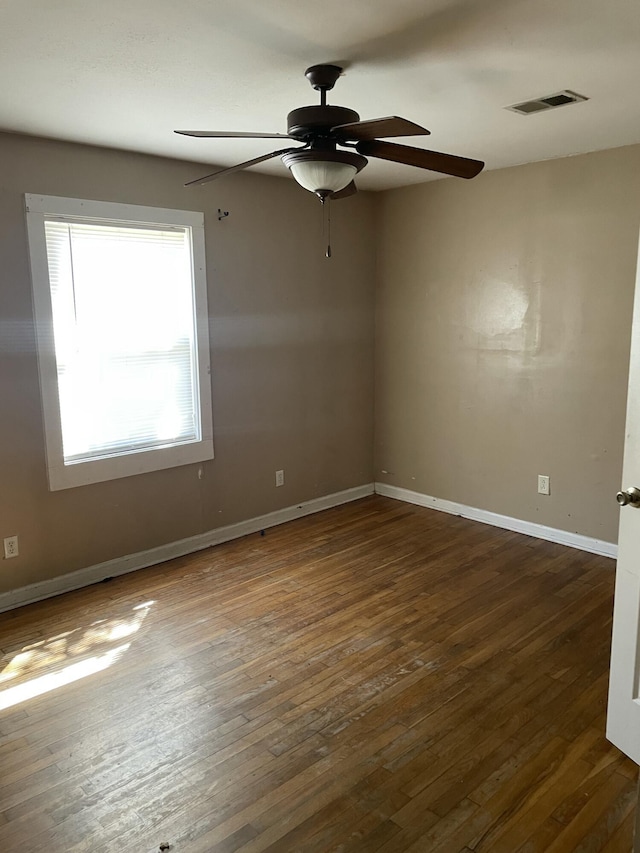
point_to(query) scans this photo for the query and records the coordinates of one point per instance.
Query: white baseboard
(143, 559)
(529, 528)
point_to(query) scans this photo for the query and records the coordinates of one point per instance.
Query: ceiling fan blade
(359, 131)
(221, 172)
(448, 164)
(231, 134)
(350, 189)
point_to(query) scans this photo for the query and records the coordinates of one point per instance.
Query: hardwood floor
(377, 677)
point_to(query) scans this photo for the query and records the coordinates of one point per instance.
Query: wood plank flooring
(376, 677)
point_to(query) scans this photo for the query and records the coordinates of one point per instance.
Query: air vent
(548, 102)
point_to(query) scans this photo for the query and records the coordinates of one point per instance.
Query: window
(120, 306)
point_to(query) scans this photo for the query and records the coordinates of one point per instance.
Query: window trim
(61, 476)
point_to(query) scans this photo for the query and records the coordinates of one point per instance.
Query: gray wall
(502, 342)
(502, 339)
(292, 360)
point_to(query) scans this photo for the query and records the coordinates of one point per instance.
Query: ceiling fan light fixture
(324, 172)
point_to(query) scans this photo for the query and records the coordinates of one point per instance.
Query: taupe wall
(292, 360)
(503, 319)
(502, 341)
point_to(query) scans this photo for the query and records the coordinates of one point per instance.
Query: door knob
(630, 497)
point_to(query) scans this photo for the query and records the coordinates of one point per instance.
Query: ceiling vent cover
(548, 102)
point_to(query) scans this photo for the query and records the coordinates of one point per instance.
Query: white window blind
(122, 302)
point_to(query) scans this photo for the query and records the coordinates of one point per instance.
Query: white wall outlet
(279, 478)
(544, 484)
(11, 547)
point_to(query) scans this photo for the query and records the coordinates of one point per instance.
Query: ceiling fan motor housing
(306, 122)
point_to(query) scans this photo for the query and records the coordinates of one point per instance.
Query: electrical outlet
(279, 478)
(544, 484)
(10, 547)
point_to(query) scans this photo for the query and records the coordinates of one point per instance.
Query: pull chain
(325, 201)
(326, 222)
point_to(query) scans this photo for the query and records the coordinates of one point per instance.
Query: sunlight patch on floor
(47, 665)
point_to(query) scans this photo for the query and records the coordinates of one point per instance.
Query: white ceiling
(125, 73)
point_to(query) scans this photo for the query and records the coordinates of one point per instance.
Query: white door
(623, 720)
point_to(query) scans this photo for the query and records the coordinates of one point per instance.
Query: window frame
(64, 476)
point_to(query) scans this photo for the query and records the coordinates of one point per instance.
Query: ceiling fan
(327, 170)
